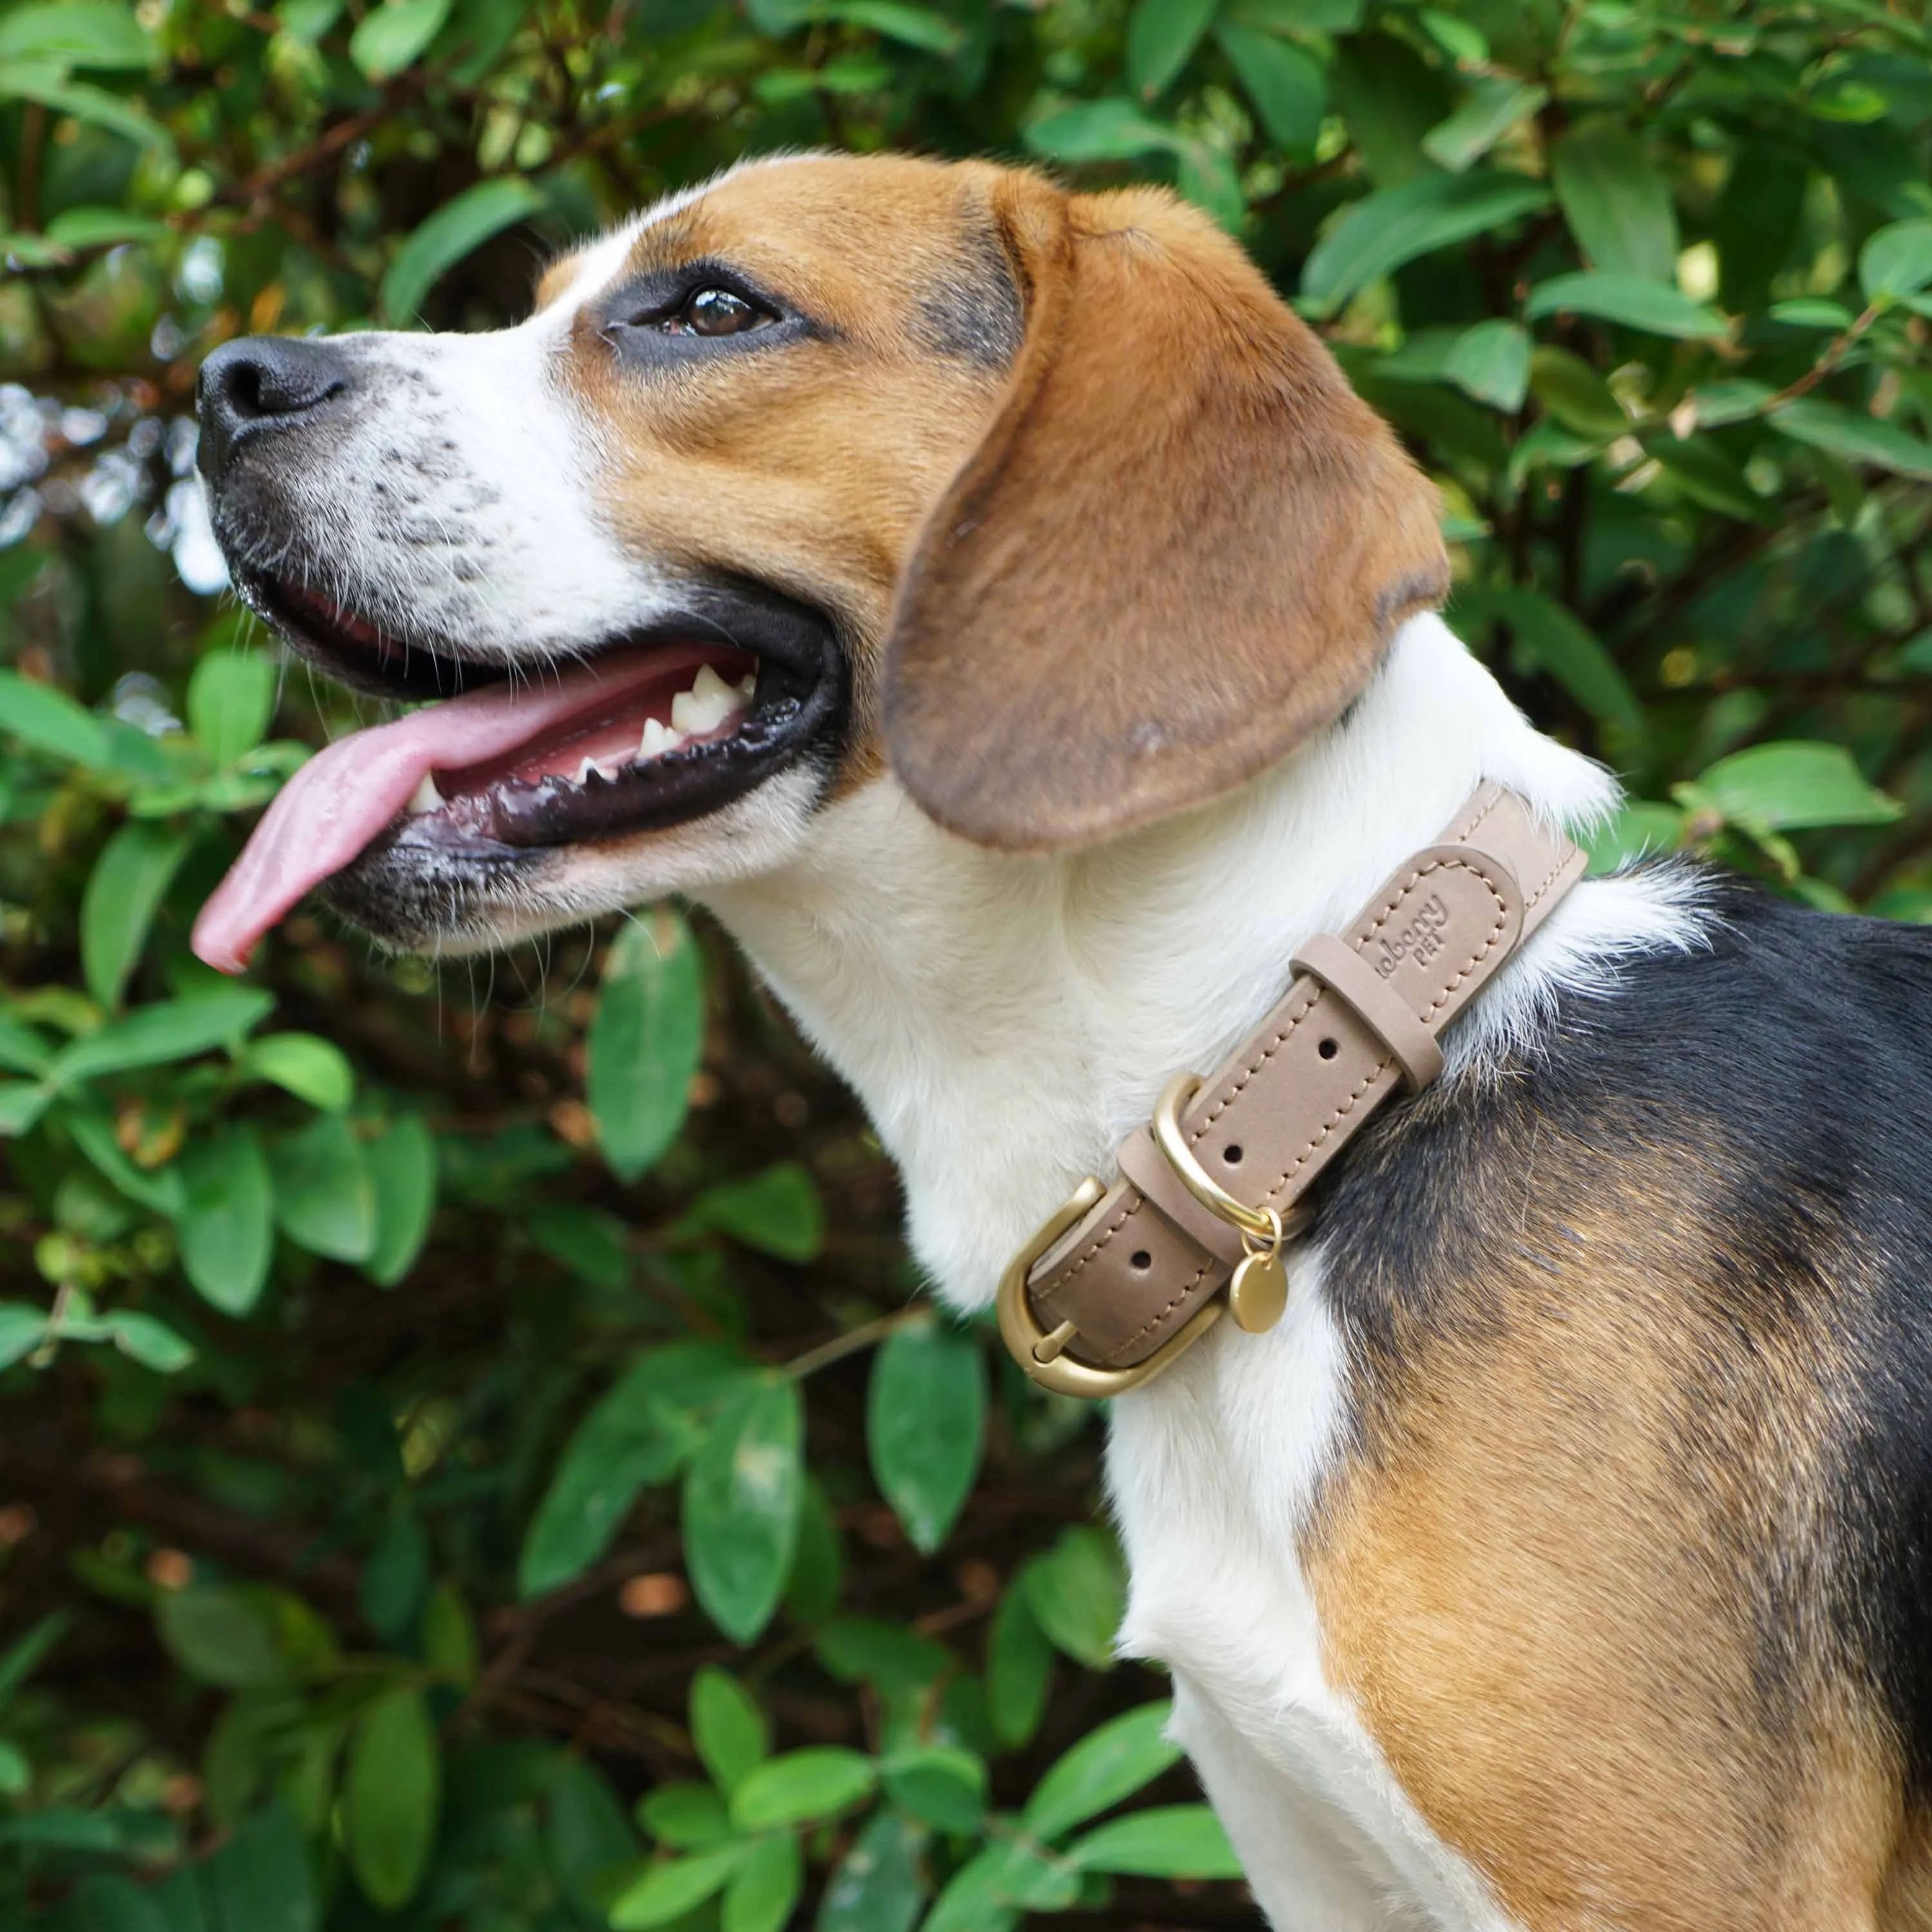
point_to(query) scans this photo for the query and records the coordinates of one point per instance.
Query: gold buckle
(1040, 1353)
(1258, 1291)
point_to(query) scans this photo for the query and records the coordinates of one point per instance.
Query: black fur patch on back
(1778, 1087)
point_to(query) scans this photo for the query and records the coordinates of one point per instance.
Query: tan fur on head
(1181, 548)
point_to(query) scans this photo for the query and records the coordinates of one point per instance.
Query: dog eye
(710, 310)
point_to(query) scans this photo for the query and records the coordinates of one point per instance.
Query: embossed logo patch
(1420, 940)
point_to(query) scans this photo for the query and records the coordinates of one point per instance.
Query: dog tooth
(749, 683)
(658, 738)
(709, 686)
(425, 797)
(584, 769)
(695, 713)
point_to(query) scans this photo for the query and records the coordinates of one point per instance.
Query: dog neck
(1007, 1020)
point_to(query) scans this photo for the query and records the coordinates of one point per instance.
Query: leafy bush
(444, 1413)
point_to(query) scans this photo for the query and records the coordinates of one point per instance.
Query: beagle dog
(994, 605)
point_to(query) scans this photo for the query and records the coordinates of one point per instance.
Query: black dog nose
(263, 383)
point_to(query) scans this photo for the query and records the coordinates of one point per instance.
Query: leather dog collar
(1112, 1289)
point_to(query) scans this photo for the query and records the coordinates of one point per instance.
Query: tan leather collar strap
(1097, 1306)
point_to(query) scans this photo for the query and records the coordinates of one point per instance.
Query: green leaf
(21, 1048)
(1297, 17)
(300, 1063)
(392, 1793)
(104, 1902)
(741, 1506)
(594, 1245)
(231, 698)
(22, 1103)
(1285, 83)
(1205, 176)
(666, 1892)
(459, 227)
(262, 1877)
(925, 1419)
(1558, 643)
(1651, 306)
(591, 1844)
(631, 1439)
(817, 1565)
(98, 33)
(1575, 394)
(93, 1133)
(1113, 129)
(778, 1212)
(911, 26)
(1375, 236)
(726, 1726)
(687, 1816)
(448, 1633)
(395, 1577)
(79, 228)
(1638, 828)
(988, 1893)
(893, 1660)
(1616, 202)
(1491, 362)
(1110, 1763)
(22, 1329)
(1810, 312)
(760, 1893)
(1708, 474)
(96, 106)
(128, 883)
(801, 1787)
(1389, 97)
(324, 1199)
(307, 20)
(879, 1886)
(941, 1785)
(390, 36)
(142, 1339)
(1019, 1669)
(1167, 1841)
(1857, 439)
(50, 721)
(645, 1041)
(220, 1635)
(1494, 105)
(1078, 1593)
(1897, 261)
(28, 1651)
(64, 1829)
(169, 1031)
(31, 251)
(1161, 36)
(402, 1168)
(1794, 785)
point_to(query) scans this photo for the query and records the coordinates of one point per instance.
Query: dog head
(1043, 503)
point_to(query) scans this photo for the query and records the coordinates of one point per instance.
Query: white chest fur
(1006, 1021)
(1211, 1471)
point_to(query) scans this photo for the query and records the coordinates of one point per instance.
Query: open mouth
(663, 725)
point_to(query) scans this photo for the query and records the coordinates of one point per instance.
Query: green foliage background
(470, 1458)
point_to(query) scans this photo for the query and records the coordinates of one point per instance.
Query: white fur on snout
(456, 499)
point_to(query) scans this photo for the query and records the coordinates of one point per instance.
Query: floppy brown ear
(1182, 546)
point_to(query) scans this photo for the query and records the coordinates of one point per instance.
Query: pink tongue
(339, 801)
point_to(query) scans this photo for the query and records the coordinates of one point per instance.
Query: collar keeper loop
(1352, 980)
